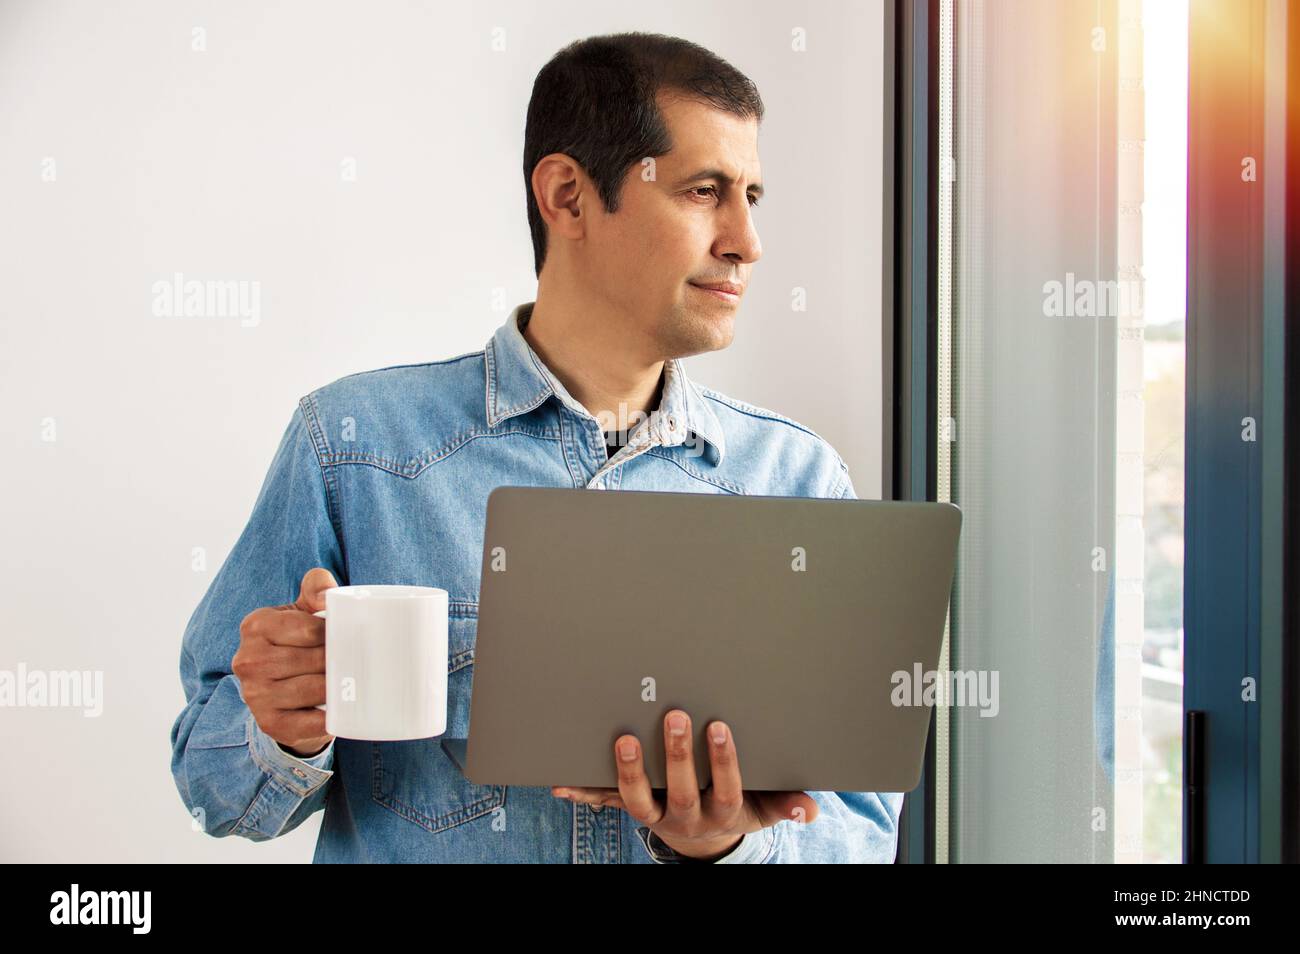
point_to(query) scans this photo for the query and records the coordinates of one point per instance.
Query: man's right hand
(281, 667)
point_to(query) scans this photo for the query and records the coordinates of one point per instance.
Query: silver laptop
(803, 623)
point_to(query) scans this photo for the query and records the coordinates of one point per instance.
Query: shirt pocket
(416, 778)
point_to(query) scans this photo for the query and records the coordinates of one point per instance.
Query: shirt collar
(517, 382)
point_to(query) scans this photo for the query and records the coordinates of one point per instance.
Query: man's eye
(753, 202)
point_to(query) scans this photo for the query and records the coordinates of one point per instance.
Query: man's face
(692, 224)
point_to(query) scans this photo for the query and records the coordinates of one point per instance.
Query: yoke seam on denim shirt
(753, 410)
(415, 364)
(416, 466)
(763, 413)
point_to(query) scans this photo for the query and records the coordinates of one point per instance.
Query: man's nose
(739, 241)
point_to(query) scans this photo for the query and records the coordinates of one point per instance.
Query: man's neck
(596, 362)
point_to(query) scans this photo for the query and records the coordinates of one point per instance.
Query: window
(1061, 196)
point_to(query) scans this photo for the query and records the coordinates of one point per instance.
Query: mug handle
(321, 614)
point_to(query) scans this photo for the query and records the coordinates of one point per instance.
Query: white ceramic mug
(385, 662)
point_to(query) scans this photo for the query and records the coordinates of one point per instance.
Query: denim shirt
(383, 477)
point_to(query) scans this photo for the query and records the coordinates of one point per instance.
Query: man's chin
(703, 333)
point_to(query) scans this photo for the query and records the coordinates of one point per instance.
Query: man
(641, 168)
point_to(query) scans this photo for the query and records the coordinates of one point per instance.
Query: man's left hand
(702, 825)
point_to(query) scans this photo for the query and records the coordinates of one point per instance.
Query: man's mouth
(723, 291)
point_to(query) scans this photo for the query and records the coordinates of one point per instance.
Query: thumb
(311, 597)
(799, 807)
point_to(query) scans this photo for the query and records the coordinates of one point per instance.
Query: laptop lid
(805, 624)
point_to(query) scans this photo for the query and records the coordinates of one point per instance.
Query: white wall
(225, 164)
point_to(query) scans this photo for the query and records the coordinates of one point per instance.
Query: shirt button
(596, 808)
(300, 773)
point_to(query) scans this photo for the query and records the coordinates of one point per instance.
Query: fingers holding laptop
(698, 824)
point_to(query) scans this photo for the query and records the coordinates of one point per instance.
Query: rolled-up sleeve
(232, 776)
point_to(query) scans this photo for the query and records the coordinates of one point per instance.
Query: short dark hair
(595, 102)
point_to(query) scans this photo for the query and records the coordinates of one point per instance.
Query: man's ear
(561, 188)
